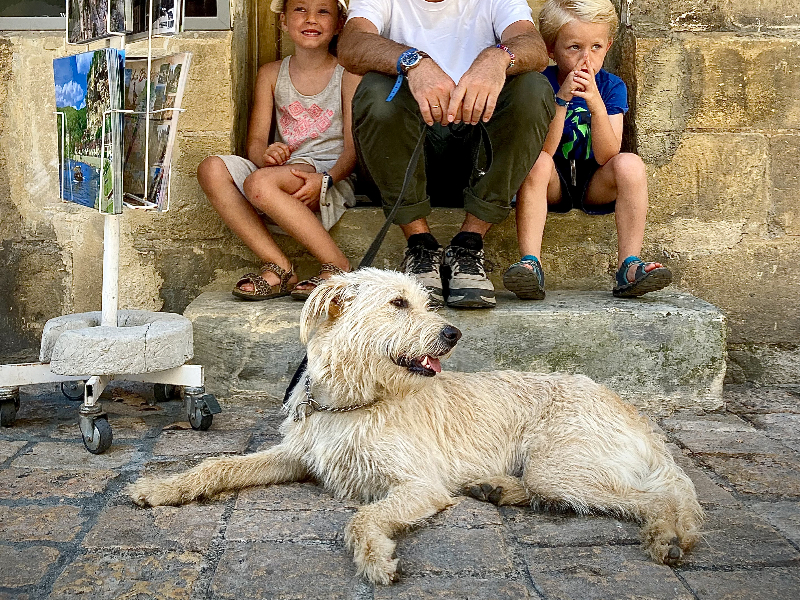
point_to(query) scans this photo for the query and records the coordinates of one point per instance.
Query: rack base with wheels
(199, 407)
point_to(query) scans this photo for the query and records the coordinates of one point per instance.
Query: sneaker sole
(472, 298)
(436, 296)
(524, 283)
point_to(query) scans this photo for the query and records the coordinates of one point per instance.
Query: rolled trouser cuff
(408, 212)
(491, 212)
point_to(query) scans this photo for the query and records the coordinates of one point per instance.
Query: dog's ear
(327, 302)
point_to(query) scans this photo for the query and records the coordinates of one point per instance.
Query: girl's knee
(212, 170)
(256, 183)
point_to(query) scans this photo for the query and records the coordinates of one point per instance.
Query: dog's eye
(399, 302)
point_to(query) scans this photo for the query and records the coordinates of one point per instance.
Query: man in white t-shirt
(463, 73)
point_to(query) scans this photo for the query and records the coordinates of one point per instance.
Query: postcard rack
(86, 371)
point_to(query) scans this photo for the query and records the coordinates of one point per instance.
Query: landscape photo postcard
(149, 132)
(87, 86)
(166, 17)
(88, 20)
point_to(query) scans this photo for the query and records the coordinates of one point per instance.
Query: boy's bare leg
(270, 189)
(624, 177)
(240, 216)
(540, 187)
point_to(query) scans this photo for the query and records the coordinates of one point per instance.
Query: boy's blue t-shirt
(576, 141)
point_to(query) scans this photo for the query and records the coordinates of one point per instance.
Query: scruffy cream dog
(375, 419)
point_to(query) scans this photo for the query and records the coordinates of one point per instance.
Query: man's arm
(362, 49)
(530, 52)
(475, 96)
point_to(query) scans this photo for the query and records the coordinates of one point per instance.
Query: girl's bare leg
(240, 216)
(270, 189)
(624, 178)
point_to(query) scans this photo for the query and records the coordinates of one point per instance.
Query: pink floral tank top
(311, 126)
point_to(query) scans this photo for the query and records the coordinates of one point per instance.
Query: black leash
(374, 247)
(376, 243)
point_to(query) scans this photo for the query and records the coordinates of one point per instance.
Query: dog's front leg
(369, 533)
(214, 475)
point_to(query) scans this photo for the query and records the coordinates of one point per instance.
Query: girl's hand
(584, 76)
(276, 154)
(309, 192)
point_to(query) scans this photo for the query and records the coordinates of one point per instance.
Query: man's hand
(309, 192)
(476, 94)
(431, 88)
(276, 154)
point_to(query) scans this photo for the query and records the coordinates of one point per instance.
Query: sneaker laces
(470, 262)
(422, 259)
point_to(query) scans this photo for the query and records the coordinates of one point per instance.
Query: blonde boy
(581, 165)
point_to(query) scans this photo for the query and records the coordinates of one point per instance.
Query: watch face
(410, 60)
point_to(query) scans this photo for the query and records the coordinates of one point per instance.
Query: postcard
(149, 132)
(88, 90)
(89, 20)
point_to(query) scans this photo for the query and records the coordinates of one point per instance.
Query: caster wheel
(200, 421)
(8, 413)
(101, 437)
(200, 408)
(163, 392)
(73, 390)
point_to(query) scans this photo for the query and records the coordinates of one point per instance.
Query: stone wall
(51, 251)
(715, 115)
(717, 120)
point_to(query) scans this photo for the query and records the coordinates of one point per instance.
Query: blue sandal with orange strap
(643, 281)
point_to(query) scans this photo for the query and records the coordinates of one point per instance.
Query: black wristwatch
(410, 59)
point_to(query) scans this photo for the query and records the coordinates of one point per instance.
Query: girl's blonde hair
(557, 13)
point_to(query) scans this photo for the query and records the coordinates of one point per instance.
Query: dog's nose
(451, 335)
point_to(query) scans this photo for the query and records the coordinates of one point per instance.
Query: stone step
(662, 352)
(579, 251)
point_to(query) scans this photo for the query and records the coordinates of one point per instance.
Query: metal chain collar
(310, 405)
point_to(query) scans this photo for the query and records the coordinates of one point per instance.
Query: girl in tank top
(300, 182)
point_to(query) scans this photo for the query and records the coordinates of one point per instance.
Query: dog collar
(309, 405)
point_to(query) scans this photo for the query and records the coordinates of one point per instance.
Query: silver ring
(434, 106)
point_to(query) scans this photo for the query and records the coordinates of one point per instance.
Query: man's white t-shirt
(453, 32)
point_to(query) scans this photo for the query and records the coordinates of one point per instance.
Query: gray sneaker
(465, 275)
(423, 263)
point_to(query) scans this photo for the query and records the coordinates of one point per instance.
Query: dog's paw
(151, 491)
(485, 492)
(671, 554)
(373, 555)
(382, 571)
(667, 551)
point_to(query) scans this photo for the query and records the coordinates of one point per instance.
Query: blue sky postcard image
(83, 93)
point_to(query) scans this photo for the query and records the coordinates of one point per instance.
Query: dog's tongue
(432, 363)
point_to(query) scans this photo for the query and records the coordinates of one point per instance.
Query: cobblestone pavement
(66, 530)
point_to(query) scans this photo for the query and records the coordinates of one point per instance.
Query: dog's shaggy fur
(424, 436)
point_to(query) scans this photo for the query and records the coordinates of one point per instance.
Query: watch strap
(401, 73)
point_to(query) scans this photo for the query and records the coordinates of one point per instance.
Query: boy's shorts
(573, 191)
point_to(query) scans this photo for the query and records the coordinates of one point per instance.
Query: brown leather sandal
(262, 290)
(299, 294)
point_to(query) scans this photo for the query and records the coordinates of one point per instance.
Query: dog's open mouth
(422, 365)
